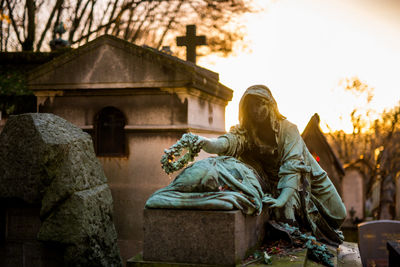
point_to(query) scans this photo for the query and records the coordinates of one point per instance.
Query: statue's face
(256, 111)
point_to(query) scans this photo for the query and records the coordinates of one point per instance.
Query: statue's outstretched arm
(213, 145)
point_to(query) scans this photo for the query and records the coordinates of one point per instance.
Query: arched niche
(109, 133)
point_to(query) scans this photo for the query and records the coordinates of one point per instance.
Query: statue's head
(258, 107)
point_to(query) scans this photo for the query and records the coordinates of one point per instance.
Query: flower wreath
(187, 141)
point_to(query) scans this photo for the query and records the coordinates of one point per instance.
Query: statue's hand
(201, 141)
(281, 200)
(273, 202)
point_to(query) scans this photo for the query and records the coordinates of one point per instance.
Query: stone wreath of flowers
(188, 142)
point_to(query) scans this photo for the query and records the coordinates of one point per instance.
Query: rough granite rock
(45, 159)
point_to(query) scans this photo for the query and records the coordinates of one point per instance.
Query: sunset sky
(301, 49)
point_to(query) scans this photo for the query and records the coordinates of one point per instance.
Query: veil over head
(265, 95)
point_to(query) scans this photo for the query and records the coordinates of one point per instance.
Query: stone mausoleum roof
(109, 62)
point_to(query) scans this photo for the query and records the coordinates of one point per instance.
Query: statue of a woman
(294, 185)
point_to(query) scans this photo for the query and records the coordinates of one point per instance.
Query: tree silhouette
(27, 24)
(374, 144)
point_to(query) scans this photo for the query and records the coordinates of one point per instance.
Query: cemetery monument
(263, 161)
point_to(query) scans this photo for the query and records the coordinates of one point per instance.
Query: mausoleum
(135, 102)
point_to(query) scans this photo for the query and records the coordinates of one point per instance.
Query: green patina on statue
(263, 160)
(215, 183)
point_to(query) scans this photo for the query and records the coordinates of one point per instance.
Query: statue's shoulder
(288, 127)
(237, 130)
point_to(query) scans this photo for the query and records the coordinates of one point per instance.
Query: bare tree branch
(27, 45)
(57, 7)
(129, 22)
(167, 28)
(104, 14)
(1, 25)
(149, 10)
(57, 21)
(111, 16)
(77, 21)
(10, 9)
(90, 18)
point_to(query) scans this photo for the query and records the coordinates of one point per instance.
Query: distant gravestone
(353, 193)
(372, 241)
(388, 200)
(397, 207)
(375, 195)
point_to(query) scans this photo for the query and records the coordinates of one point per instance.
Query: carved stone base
(200, 237)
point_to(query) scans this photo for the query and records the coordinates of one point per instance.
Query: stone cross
(191, 41)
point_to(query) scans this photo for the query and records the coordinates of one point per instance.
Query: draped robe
(315, 205)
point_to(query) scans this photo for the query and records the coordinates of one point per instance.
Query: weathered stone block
(48, 158)
(200, 237)
(85, 215)
(49, 164)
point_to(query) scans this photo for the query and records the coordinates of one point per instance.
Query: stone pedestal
(189, 238)
(200, 237)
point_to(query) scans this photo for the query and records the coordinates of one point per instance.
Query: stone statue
(271, 150)
(59, 43)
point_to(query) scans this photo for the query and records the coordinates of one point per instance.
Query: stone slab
(200, 237)
(348, 255)
(372, 238)
(292, 259)
(295, 259)
(138, 261)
